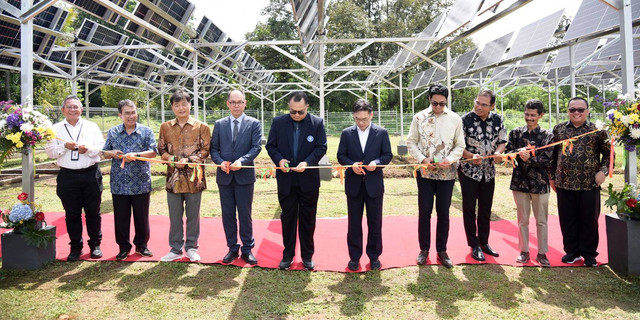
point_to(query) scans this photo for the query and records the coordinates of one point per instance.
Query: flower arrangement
(26, 218)
(625, 201)
(21, 127)
(624, 116)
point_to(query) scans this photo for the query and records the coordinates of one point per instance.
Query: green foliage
(111, 96)
(39, 238)
(620, 200)
(51, 91)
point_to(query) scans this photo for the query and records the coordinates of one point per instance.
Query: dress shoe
(375, 264)
(74, 256)
(353, 265)
(523, 257)
(543, 261)
(476, 253)
(230, 256)
(285, 263)
(249, 258)
(422, 257)
(308, 264)
(487, 249)
(122, 255)
(443, 257)
(145, 252)
(96, 253)
(570, 258)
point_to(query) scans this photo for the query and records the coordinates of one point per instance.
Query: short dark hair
(488, 93)
(296, 96)
(578, 98)
(71, 97)
(180, 95)
(362, 105)
(438, 89)
(534, 104)
(125, 103)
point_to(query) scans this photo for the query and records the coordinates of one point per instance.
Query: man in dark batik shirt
(576, 177)
(484, 135)
(530, 180)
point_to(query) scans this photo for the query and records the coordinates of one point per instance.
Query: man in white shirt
(79, 183)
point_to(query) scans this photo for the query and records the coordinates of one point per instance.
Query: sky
(238, 17)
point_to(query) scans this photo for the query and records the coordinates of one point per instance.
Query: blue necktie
(235, 131)
(296, 137)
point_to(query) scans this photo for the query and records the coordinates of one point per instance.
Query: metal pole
(413, 110)
(86, 101)
(379, 114)
(26, 94)
(148, 111)
(262, 111)
(557, 99)
(162, 97)
(449, 75)
(195, 84)
(572, 70)
(321, 69)
(626, 46)
(549, 94)
(401, 113)
(604, 99)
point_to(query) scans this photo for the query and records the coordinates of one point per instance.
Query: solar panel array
(493, 51)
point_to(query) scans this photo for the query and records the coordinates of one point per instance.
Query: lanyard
(78, 137)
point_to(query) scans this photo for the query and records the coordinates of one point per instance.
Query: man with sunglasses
(435, 139)
(367, 145)
(297, 140)
(576, 177)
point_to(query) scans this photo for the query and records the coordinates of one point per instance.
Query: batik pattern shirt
(531, 176)
(482, 137)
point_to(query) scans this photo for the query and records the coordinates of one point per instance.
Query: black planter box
(623, 245)
(17, 254)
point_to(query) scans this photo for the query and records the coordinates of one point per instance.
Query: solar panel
(580, 52)
(463, 62)
(99, 35)
(98, 10)
(530, 65)
(535, 36)
(440, 74)
(614, 50)
(406, 56)
(179, 11)
(461, 13)
(426, 77)
(593, 15)
(489, 5)
(506, 82)
(501, 73)
(493, 51)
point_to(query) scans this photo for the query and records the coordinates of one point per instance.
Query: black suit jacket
(312, 145)
(378, 149)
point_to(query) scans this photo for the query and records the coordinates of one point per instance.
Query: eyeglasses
(73, 107)
(300, 112)
(435, 104)
(484, 105)
(361, 120)
(236, 103)
(578, 110)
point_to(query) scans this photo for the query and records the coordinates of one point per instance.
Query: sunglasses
(579, 110)
(442, 104)
(300, 112)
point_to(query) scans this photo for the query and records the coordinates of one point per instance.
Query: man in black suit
(367, 145)
(297, 140)
(235, 142)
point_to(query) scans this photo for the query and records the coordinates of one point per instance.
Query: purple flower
(14, 121)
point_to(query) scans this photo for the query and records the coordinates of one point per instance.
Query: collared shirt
(531, 176)
(240, 119)
(363, 135)
(192, 139)
(482, 137)
(577, 170)
(135, 177)
(85, 133)
(437, 136)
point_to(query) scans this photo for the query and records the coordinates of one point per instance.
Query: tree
(50, 91)
(112, 95)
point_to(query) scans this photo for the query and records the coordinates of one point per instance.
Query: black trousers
(237, 197)
(578, 212)
(443, 191)
(298, 214)
(355, 207)
(81, 189)
(122, 205)
(477, 231)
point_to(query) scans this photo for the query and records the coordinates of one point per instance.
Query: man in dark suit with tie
(236, 142)
(297, 140)
(367, 145)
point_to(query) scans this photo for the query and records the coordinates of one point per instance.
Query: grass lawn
(98, 290)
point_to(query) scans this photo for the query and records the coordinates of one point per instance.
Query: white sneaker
(171, 256)
(193, 255)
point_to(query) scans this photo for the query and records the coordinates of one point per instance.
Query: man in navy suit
(297, 140)
(367, 145)
(235, 142)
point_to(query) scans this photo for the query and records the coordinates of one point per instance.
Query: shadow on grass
(165, 277)
(272, 294)
(90, 277)
(492, 282)
(31, 280)
(443, 287)
(215, 277)
(358, 290)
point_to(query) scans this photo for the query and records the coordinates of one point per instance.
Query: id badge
(75, 155)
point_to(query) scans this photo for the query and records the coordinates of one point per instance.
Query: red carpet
(399, 239)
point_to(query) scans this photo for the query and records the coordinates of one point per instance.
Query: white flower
(3, 123)
(26, 127)
(635, 133)
(624, 97)
(625, 120)
(599, 124)
(47, 124)
(27, 109)
(611, 111)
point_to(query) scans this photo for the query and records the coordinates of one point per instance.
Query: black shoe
(543, 261)
(523, 257)
(443, 257)
(74, 256)
(353, 265)
(476, 253)
(422, 257)
(590, 262)
(375, 264)
(308, 264)
(96, 253)
(122, 255)
(145, 252)
(230, 256)
(249, 258)
(570, 258)
(285, 263)
(487, 249)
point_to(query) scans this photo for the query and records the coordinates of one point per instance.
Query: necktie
(235, 131)
(296, 137)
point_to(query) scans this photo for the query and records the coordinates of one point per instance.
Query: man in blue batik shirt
(131, 185)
